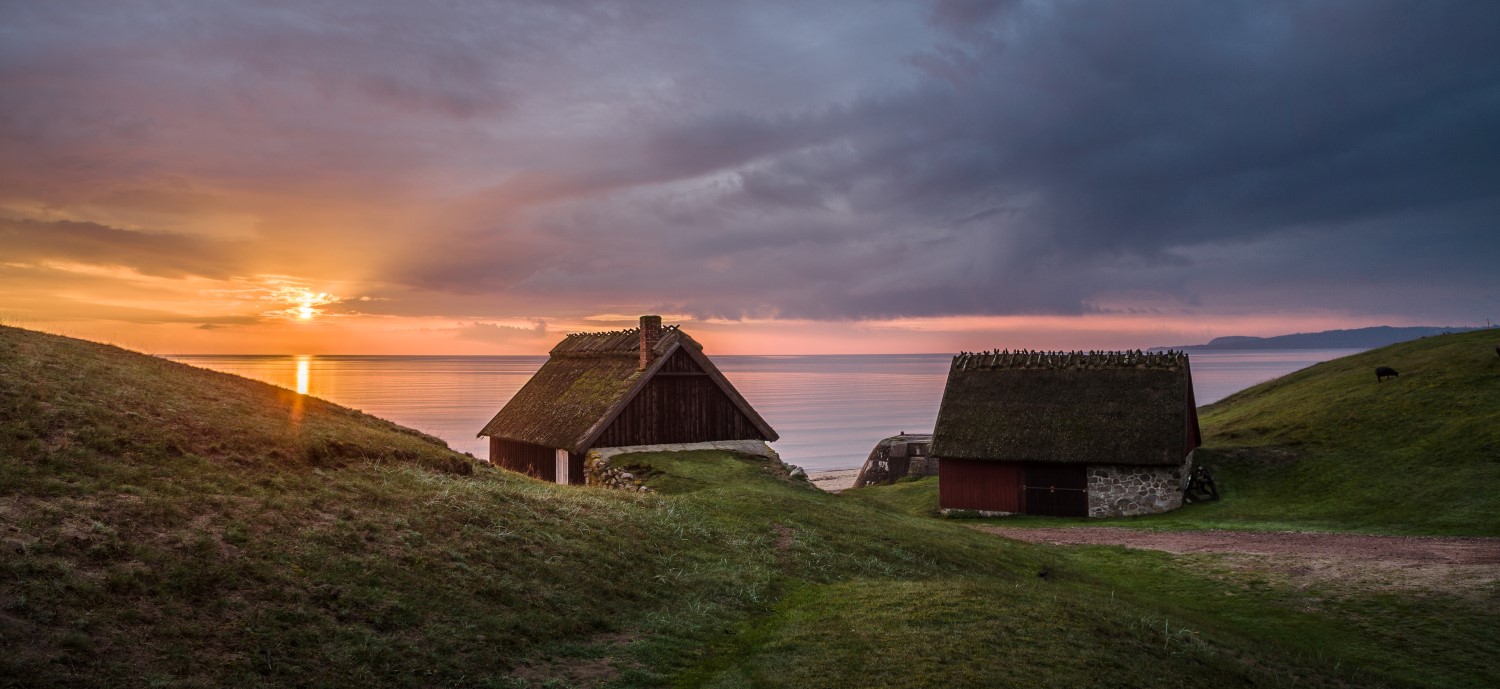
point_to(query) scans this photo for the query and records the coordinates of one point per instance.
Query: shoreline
(834, 480)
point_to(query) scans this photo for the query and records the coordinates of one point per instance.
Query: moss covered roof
(1068, 407)
(586, 380)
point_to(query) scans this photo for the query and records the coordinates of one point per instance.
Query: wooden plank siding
(1046, 488)
(533, 460)
(536, 461)
(680, 404)
(976, 484)
(1193, 433)
(680, 362)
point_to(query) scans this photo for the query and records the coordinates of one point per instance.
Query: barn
(650, 385)
(1096, 434)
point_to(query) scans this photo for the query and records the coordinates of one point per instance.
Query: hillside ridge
(1355, 338)
(110, 399)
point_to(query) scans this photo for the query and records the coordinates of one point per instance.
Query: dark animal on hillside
(1385, 372)
(1497, 350)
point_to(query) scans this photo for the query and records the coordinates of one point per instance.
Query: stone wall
(1118, 490)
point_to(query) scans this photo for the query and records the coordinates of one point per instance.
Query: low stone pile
(598, 471)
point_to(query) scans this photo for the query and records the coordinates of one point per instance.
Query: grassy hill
(1329, 446)
(161, 525)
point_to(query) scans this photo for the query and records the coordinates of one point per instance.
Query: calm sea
(829, 410)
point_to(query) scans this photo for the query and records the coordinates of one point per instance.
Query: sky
(395, 177)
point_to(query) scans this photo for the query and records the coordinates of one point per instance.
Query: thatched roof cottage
(1093, 434)
(650, 385)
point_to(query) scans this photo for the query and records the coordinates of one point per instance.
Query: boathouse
(1097, 434)
(650, 385)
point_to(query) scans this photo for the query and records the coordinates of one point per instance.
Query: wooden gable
(681, 402)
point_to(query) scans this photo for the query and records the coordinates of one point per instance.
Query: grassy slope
(865, 596)
(167, 526)
(1431, 635)
(1329, 448)
(1101, 616)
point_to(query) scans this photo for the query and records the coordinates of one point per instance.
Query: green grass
(874, 597)
(167, 526)
(1417, 635)
(970, 632)
(911, 495)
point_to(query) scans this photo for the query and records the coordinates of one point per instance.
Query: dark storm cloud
(1099, 146)
(820, 160)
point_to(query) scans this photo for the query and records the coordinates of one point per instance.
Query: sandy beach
(833, 481)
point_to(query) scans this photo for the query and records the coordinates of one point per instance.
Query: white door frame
(562, 466)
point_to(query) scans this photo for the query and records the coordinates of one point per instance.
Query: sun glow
(298, 303)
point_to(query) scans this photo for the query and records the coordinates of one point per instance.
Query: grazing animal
(1384, 372)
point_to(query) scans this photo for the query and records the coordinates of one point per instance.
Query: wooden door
(1056, 490)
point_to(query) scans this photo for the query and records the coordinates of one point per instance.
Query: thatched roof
(1068, 407)
(587, 380)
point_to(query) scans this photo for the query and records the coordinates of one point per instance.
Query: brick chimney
(650, 333)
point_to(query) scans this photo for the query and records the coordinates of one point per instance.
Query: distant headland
(1357, 338)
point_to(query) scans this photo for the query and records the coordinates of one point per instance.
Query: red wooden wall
(976, 484)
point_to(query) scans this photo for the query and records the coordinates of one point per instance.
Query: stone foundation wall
(1118, 490)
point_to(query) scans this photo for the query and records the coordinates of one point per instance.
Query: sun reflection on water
(303, 363)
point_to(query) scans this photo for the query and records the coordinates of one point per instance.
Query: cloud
(835, 161)
(61, 309)
(1099, 152)
(148, 253)
(497, 333)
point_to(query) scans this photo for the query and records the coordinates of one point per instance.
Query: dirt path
(1394, 549)
(1463, 566)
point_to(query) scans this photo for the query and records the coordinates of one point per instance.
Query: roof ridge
(610, 333)
(1056, 360)
(606, 342)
